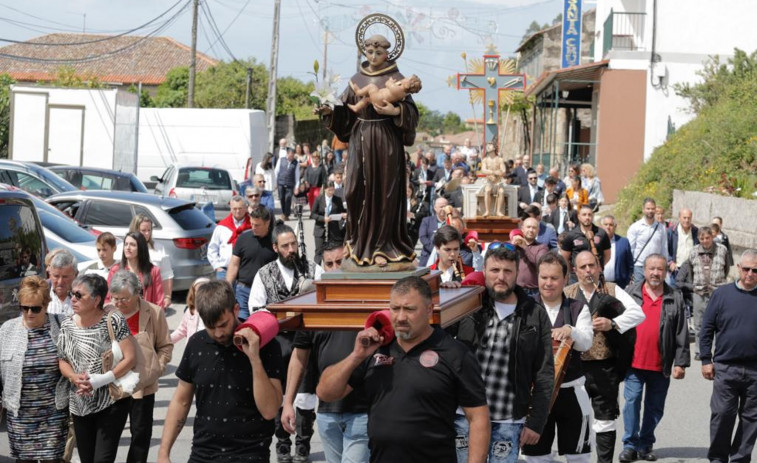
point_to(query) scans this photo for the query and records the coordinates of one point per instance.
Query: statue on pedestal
(375, 178)
(494, 168)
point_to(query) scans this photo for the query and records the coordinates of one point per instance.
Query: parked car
(33, 178)
(22, 248)
(182, 229)
(93, 178)
(199, 184)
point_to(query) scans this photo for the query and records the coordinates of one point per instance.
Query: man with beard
(413, 384)
(251, 252)
(586, 237)
(278, 280)
(510, 334)
(647, 236)
(237, 393)
(606, 362)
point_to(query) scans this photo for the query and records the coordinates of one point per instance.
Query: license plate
(203, 251)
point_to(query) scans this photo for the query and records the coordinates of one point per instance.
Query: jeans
(503, 445)
(97, 435)
(700, 304)
(285, 196)
(337, 157)
(221, 274)
(639, 433)
(734, 393)
(638, 273)
(243, 298)
(344, 436)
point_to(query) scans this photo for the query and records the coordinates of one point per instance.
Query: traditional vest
(273, 281)
(600, 348)
(287, 173)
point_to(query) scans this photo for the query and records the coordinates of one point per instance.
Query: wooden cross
(491, 82)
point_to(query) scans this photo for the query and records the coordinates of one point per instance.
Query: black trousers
(602, 384)
(734, 394)
(285, 196)
(140, 425)
(570, 417)
(97, 435)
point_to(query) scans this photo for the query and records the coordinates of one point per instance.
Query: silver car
(199, 184)
(183, 230)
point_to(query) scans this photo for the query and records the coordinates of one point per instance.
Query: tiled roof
(126, 59)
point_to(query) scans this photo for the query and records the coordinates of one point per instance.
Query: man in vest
(571, 411)
(605, 362)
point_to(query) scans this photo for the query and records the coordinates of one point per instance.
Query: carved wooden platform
(492, 228)
(345, 304)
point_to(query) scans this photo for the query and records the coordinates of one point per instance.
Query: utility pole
(325, 49)
(193, 57)
(249, 85)
(270, 104)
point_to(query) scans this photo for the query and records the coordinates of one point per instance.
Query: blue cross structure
(491, 82)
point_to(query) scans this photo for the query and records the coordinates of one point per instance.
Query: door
(65, 135)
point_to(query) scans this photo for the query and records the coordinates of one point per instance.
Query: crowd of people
(480, 390)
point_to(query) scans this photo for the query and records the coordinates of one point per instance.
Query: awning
(572, 78)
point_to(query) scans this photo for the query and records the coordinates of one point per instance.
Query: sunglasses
(333, 263)
(253, 196)
(33, 308)
(498, 244)
(76, 294)
(753, 270)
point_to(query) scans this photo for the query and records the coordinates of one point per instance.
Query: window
(65, 228)
(30, 184)
(96, 182)
(190, 218)
(200, 177)
(142, 210)
(20, 241)
(109, 214)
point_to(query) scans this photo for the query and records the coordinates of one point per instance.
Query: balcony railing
(623, 31)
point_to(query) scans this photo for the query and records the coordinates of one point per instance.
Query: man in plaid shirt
(511, 333)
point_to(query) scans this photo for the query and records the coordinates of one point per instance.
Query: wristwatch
(613, 325)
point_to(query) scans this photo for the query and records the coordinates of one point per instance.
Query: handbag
(132, 381)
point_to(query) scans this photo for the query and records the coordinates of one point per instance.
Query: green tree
(67, 76)
(225, 85)
(145, 100)
(172, 93)
(452, 123)
(5, 113)
(429, 120)
(293, 97)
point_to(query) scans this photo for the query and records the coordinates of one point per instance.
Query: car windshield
(59, 183)
(190, 218)
(65, 228)
(203, 177)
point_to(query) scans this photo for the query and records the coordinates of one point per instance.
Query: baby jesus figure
(394, 91)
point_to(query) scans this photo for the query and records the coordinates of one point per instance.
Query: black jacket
(532, 367)
(336, 231)
(674, 331)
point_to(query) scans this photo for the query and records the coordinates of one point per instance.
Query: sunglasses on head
(498, 244)
(33, 308)
(75, 294)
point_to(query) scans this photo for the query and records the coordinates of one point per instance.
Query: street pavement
(682, 436)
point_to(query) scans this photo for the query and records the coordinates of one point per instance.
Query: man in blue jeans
(662, 345)
(512, 338)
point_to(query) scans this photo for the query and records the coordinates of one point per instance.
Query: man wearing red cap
(414, 384)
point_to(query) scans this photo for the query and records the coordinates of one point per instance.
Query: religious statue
(375, 179)
(395, 90)
(494, 168)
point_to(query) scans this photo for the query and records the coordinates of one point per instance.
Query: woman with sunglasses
(34, 392)
(158, 255)
(148, 325)
(136, 259)
(84, 337)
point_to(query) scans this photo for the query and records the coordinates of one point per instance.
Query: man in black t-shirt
(251, 251)
(586, 237)
(413, 385)
(237, 392)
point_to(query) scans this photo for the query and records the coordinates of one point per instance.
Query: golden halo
(378, 18)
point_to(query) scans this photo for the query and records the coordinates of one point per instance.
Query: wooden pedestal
(492, 228)
(344, 304)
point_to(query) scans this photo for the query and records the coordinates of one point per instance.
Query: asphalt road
(682, 436)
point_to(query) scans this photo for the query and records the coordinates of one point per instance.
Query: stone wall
(739, 215)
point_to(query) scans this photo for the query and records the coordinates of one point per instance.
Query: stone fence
(739, 215)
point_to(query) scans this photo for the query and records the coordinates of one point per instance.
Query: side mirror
(155, 178)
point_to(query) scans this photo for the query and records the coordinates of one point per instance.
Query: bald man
(428, 228)
(681, 240)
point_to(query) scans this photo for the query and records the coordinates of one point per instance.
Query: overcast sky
(436, 31)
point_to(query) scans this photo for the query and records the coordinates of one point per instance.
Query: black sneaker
(627, 455)
(648, 455)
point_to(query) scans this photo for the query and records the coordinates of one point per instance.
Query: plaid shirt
(494, 357)
(709, 267)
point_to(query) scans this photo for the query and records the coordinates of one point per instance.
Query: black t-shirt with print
(413, 397)
(227, 426)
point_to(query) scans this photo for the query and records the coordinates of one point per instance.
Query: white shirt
(258, 297)
(470, 153)
(685, 245)
(639, 233)
(219, 248)
(609, 269)
(448, 274)
(160, 258)
(563, 214)
(631, 317)
(99, 269)
(583, 331)
(503, 310)
(59, 307)
(270, 180)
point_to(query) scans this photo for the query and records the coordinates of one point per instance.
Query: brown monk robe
(375, 177)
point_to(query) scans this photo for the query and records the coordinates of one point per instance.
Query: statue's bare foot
(499, 214)
(380, 261)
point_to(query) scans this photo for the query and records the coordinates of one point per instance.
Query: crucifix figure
(491, 82)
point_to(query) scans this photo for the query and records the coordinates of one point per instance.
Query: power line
(214, 29)
(102, 39)
(230, 23)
